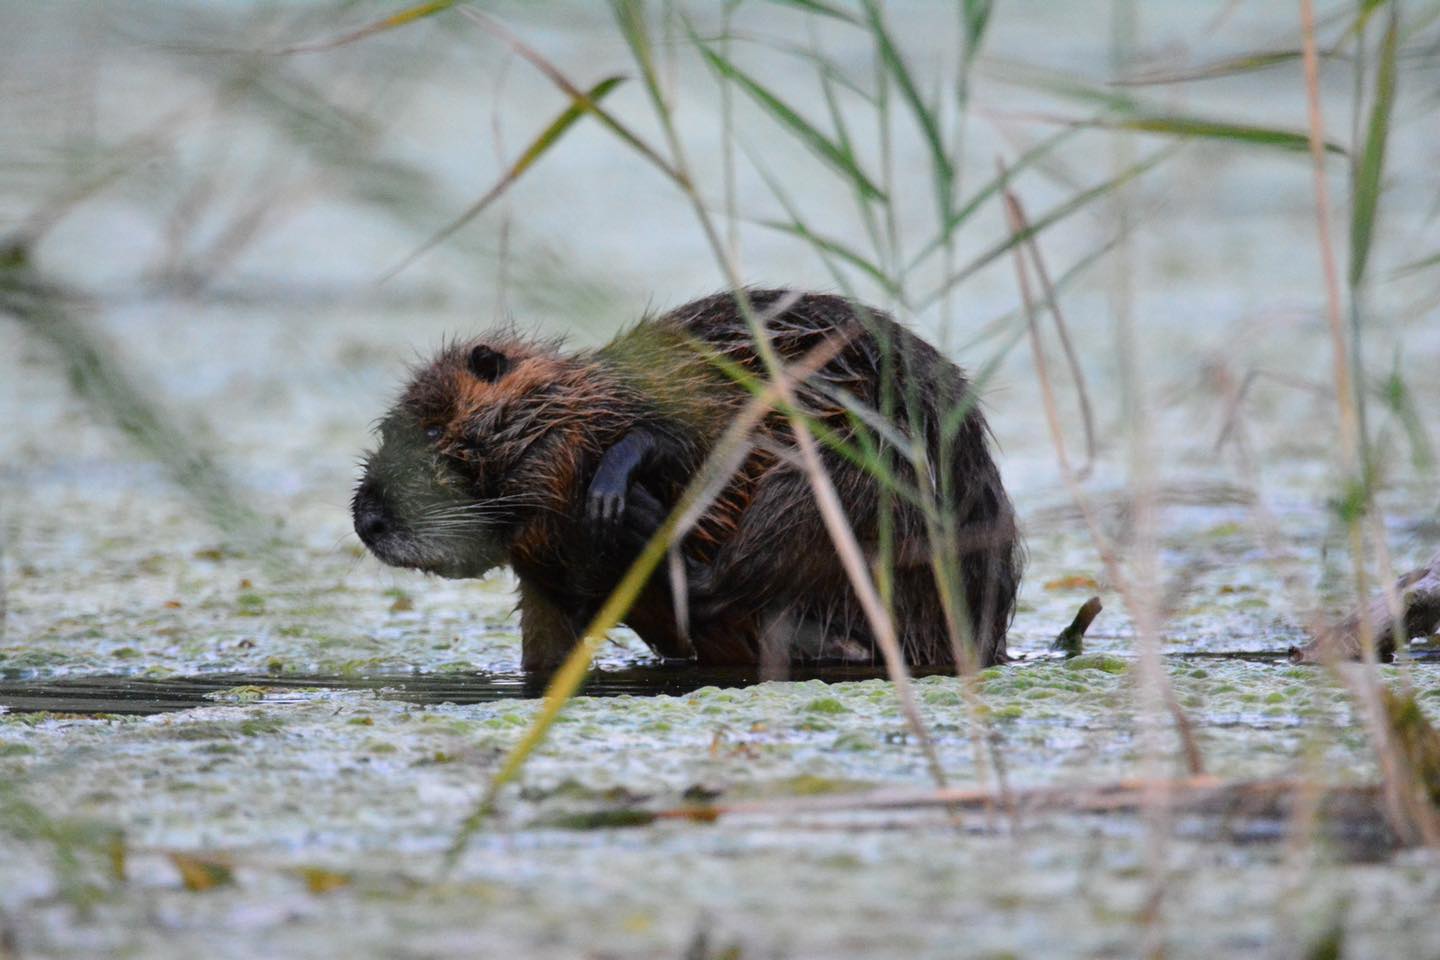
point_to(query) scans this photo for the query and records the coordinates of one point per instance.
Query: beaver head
(466, 458)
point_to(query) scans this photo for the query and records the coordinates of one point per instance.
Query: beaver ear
(487, 364)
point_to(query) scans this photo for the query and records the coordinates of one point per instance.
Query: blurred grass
(345, 143)
(1370, 164)
(942, 174)
(838, 155)
(87, 856)
(48, 312)
(1120, 112)
(546, 139)
(400, 18)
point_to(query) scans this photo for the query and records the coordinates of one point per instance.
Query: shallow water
(142, 696)
(132, 695)
(322, 725)
(366, 785)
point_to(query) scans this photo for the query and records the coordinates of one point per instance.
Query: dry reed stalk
(1304, 816)
(1411, 814)
(1344, 386)
(827, 500)
(1152, 682)
(1363, 684)
(1052, 300)
(571, 674)
(1018, 223)
(502, 160)
(4, 583)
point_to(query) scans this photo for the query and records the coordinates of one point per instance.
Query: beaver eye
(434, 433)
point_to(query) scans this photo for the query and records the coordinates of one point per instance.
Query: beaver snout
(409, 516)
(372, 519)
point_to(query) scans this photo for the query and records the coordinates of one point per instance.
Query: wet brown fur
(530, 441)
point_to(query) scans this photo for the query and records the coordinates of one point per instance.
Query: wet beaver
(508, 450)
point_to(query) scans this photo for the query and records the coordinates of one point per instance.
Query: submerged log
(1354, 815)
(1419, 592)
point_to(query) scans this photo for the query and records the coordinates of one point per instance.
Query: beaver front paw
(606, 500)
(619, 523)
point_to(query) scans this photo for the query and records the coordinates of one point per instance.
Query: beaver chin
(452, 565)
(468, 569)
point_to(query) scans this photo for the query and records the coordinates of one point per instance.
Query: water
(143, 696)
(288, 705)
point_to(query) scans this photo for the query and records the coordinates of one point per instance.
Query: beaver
(510, 450)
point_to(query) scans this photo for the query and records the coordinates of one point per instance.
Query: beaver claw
(605, 503)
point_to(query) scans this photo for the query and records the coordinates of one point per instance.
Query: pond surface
(288, 735)
(141, 696)
(298, 788)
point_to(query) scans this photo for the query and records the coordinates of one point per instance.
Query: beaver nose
(371, 523)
